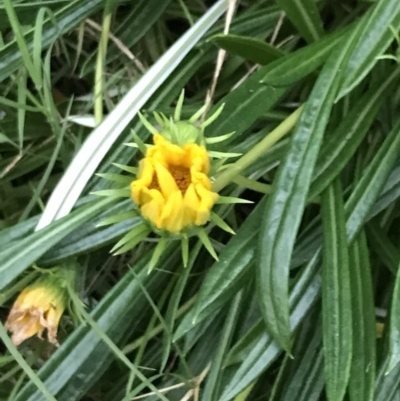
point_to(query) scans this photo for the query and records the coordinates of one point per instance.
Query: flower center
(154, 183)
(181, 176)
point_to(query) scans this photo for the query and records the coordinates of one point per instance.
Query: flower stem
(252, 184)
(99, 75)
(257, 151)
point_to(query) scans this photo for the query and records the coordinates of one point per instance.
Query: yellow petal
(53, 319)
(176, 201)
(146, 174)
(191, 205)
(159, 139)
(173, 213)
(166, 181)
(207, 200)
(153, 209)
(199, 178)
(24, 324)
(199, 157)
(136, 191)
(146, 171)
(30, 312)
(174, 155)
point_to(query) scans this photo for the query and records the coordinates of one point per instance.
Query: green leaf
(306, 380)
(295, 66)
(372, 41)
(139, 143)
(5, 139)
(286, 204)
(389, 194)
(131, 239)
(252, 49)
(245, 105)
(24, 365)
(141, 18)
(205, 240)
(304, 15)
(363, 365)
(174, 301)
(114, 193)
(304, 293)
(119, 178)
(33, 71)
(222, 155)
(185, 250)
(226, 200)
(27, 11)
(17, 232)
(19, 256)
(342, 144)
(221, 223)
(372, 182)
(394, 335)
(215, 376)
(68, 17)
(387, 385)
(129, 169)
(383, 247)
(239, 352)
(227, 275)
(90, 237)
(336, 295)
(157, 253)
(117, 218)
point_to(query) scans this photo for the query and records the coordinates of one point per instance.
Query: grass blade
(363, 365)
(18, 257)
(336, 296)
(372, 181)
(304, 15)
(372, 42)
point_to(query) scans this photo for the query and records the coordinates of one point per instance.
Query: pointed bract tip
(179, 104)
(147, 124)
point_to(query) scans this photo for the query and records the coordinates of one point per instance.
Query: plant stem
(99, 80)
(252, 184)
(258, 150)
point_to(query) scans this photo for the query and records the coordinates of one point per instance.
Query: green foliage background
(304, 302)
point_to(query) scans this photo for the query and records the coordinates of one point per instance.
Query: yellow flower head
(37, 308)
(173, 189)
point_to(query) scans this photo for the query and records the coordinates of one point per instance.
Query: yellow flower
(173, 189)
(37, 308)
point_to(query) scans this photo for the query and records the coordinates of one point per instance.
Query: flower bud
(173, 189)
(38, 307)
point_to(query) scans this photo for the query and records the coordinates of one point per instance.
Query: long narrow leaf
(22, 254)
(336, 296)
(363, 365)
(286, 204)
(372, 182)
(341, 145)
(265, 349)
(304, 15)
(372, 42)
